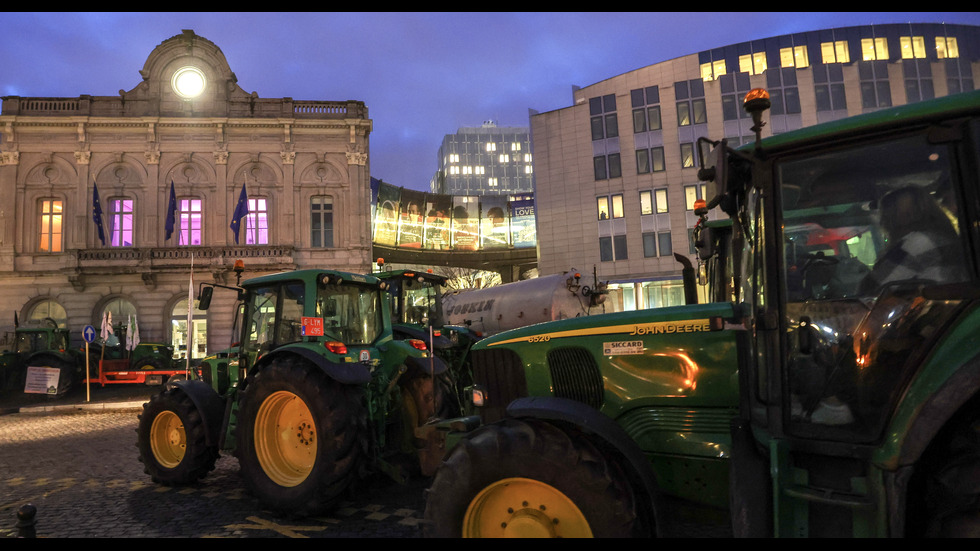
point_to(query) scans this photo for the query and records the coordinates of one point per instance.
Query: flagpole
(190, 317)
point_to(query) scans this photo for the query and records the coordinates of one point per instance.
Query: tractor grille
(501, 373)
(576, 376)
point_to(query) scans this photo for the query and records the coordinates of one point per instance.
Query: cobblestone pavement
(80, 470)
(76, 462)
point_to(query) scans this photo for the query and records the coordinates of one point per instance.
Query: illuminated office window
(454, 157)
(913, 47)
(527, 169)
(527, 157)
(874, 49)
(946, 47)
(515, 146)
(617, 206)
(794, 57)
(492, 182)
(504, 158)
(753, 64)
(480, 170)
(50, 230)
(692, 193)
(491, 147)
(835, 52)
(713, 70)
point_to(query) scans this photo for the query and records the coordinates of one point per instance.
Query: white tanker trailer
(495, 309)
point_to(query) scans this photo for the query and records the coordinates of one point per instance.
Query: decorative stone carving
(83, 157)
(9, 158)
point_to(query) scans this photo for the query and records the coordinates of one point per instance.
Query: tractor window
(291, 318)
(419, 302)
(261, 311)
(864, 230)
(351, 313)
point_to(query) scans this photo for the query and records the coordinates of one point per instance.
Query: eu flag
(97, 213)
(241, 209)
(171, 212)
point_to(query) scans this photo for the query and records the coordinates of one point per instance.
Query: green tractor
(47, 349)
(316, 394)
(417, 313)
(830, 388)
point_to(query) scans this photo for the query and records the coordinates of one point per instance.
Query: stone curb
(67, 408)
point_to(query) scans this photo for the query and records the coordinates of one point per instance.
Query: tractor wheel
(301, 437)
(148, 364)
(951, 484)
(171, 440)
(528, 478)
(66, 375)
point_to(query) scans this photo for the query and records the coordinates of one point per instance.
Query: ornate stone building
(188, 126)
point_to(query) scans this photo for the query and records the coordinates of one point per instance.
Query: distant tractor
(45, 348)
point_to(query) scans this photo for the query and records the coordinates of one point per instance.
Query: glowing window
(50, 234)
(913, 47)
(835, 52)
(794, 57)
(873, 49)
(121, 222)
(753, 64)
(491, 147)
(257, 222)
(946, 47)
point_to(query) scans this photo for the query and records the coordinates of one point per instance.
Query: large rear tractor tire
(171, 440)
(301, 437)
(529, 478)
(950, 484)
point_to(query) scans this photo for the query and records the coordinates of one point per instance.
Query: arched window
(45, 309)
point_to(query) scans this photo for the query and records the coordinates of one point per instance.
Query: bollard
(26, 521)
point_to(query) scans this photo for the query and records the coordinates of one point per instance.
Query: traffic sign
(88, 333)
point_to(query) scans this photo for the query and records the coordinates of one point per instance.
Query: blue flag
(241, 209)
(171, 212)
(97, 213)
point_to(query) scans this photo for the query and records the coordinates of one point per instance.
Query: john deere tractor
(316, 394)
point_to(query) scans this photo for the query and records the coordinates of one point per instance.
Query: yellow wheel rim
(168, 441)
(285, 438)
(523, 508)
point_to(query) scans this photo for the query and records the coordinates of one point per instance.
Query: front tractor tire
(301, 437)
(527, 479)
(171, 440)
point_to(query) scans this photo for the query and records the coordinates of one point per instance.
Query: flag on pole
(132, 334)
(97, 213)
(190, 317)
(171, 212)
(241, 210)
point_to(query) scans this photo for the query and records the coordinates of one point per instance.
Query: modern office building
(484, 160)
(112, 202)
(616, 171)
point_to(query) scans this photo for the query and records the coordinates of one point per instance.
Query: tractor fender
(208, 402)
(432, 365)
(608, 435)
(352, 373)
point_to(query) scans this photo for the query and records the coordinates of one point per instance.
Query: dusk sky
(422, 75)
